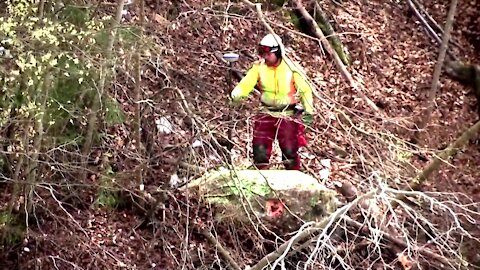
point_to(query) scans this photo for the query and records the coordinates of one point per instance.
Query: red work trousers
(290, 135)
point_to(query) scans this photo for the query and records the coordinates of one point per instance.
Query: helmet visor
(266, 49)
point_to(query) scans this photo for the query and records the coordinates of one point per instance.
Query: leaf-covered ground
(394, 60)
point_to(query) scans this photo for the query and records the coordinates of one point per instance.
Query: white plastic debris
(213, 157)
(327, 163)
(197, 143)
(125, 11)
(164, 126)
(121, 264)
(5, 53)
(306, 155)
(324, 174)
(175, 181)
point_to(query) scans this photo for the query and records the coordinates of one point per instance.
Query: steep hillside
(185, 82)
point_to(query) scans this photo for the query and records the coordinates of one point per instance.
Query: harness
(291, 107)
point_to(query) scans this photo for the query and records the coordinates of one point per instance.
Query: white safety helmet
(271, 43)
(271, 40)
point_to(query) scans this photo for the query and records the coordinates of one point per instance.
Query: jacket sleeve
(247, 84)
(304, 92)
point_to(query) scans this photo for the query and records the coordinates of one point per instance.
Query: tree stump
(467, 74)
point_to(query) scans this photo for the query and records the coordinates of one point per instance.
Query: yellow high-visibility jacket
(280, 86)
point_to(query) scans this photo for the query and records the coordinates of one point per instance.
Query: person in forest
(285, 96)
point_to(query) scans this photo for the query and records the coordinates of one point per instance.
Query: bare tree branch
(451, 150)
(434, 24)
(308, 233)
(225, 254)
(395, 240)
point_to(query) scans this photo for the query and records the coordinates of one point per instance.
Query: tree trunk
(11, 156)
(137, 134)
(438, 69)
(32, 168)
(14, 196)
(41, 8)
(107, 64)
(327, 29)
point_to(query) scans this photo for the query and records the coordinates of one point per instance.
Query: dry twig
(225, 254)
(281, 252)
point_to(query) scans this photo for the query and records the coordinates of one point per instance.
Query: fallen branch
(185, 165)
(322, 226)
(395, 240)
(429, 29)
(424, 22)
(395, 235)
(451, 150)
(225, 254)
(345, 73)
(432, 22)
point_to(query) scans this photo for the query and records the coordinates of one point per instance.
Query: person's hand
(236, 102)
(236, 97)
(307, 119)
(236, 94)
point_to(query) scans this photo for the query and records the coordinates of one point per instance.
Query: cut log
(282, 198)
(466, 74)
